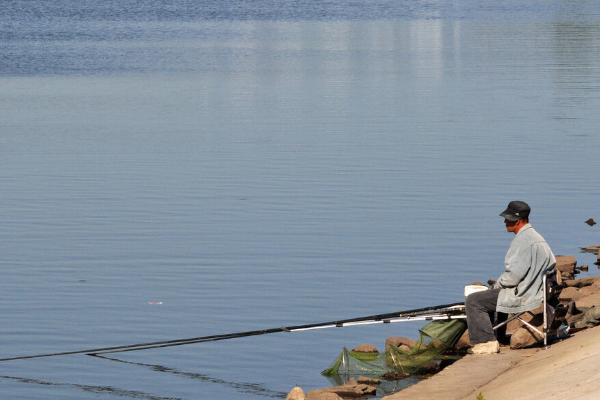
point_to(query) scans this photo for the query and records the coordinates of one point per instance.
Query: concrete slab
(464, 377)
(568, 370)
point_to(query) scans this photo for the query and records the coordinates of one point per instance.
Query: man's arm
(516, 268)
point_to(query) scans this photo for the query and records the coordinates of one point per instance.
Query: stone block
(318, 395)
(572, 319)
(589, 319)
(524, 337)
(583, 282)
(584, 303)
(566, 263)
(568, 294)
(579, 283)
(588, 290)
(366, 348)
(397, 341)
(349, 390)
(535, 317)
(463, 341)
(367, 380)
(296, 394)
(593, 248)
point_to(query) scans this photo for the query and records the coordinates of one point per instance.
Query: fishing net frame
(436, 339)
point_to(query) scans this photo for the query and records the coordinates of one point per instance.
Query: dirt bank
(567, 370)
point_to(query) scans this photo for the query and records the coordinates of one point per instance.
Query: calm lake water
(178, 169)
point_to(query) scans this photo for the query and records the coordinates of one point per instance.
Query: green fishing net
(436, 339)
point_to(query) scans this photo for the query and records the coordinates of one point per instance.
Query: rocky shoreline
(522, 364)
(567, 370)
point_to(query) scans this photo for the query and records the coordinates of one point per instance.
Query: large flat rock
(567, 371)
(464, 376)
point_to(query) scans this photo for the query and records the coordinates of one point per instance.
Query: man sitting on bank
(519, 288)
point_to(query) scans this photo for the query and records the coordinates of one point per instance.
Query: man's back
(527, 259)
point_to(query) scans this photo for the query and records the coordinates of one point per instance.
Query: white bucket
(469, 289)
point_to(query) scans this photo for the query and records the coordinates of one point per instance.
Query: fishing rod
(440, 312)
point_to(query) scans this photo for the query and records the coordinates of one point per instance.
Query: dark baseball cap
(516, 210)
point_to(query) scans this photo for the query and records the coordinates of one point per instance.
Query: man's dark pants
(480, 309)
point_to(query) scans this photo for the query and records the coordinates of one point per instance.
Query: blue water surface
(173, 169)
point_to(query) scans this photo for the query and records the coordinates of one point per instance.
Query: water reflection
(242, 387)
(426, 46)
(576, 64)
(110, 390)
(575, 75)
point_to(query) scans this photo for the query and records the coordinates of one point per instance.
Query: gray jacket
(527, 259)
